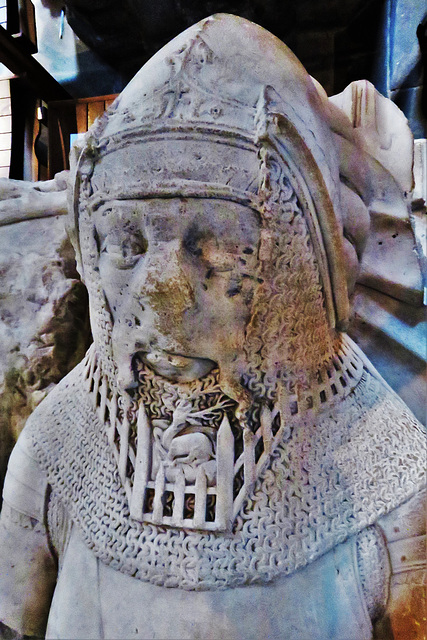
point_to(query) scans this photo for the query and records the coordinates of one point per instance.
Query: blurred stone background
(44, 325)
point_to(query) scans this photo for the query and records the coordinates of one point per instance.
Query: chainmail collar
(183, 457)
(334, 467)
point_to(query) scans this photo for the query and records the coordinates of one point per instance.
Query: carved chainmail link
(374, 569)
(325, 482)
(288, 313)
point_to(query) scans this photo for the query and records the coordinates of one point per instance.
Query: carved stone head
(207, 218)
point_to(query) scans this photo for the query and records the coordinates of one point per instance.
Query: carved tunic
(333, 596)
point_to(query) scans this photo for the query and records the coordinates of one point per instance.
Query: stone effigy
(224, 462)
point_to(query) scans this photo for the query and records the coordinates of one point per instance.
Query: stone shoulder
(26, 483)
(57, 398)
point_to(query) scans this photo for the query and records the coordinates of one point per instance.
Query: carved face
(179, 276)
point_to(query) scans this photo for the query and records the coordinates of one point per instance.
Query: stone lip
(177, 367)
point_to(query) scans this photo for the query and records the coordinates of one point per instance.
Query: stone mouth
(175, 366)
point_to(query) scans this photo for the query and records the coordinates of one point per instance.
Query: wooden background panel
(67, 117)
(81, 116)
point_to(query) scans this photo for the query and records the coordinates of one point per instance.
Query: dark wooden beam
(26, 67)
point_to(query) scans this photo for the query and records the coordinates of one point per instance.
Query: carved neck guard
(335, 465)
(194, 466)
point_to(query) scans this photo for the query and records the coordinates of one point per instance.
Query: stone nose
(165, 282)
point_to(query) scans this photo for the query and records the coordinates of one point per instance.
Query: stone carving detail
(274, 532)
(174, 444)
(374, 570)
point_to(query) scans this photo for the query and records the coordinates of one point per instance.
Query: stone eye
(205, 245)
(192, 240)
(125, 252)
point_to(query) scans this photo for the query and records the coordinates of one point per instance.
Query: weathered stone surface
(391, 262)
(21, 200)
(380, 128)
